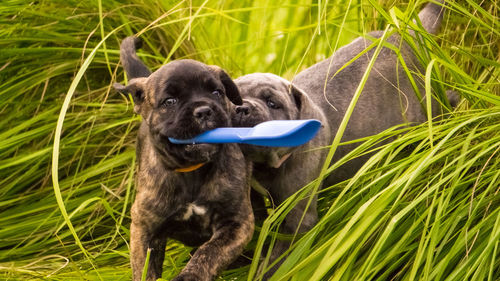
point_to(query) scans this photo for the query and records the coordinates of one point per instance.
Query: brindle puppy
(388, 99)
(197, 194)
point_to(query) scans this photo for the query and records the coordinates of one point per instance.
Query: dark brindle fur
(208, 207)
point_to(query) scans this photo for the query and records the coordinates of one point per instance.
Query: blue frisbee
(271, 133)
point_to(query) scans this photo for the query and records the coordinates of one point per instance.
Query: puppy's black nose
(202, 113)
(243, 109)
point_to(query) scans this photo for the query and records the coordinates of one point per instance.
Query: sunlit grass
(425, 207)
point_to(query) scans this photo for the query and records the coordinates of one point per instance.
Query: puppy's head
(268, 97)
(181, 100)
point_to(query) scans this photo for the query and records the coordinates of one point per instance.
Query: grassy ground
(425, 207)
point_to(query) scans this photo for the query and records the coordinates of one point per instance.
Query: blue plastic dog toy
(271, 133)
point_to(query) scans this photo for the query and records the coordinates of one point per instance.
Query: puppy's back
(388, 97)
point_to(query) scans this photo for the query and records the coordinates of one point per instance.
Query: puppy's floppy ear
(232, 92)
(303, 102)
(136, 88)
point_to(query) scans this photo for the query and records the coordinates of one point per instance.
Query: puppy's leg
(292, 224)
(227, 243)
(144, 236)
(281, 184)
(258, 206)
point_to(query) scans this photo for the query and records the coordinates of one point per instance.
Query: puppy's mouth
(204, 150)
(187, 126)
(199, 147)
(188, 153)
(190, 133)
(240, 120)
(244, 119)
(249, 114)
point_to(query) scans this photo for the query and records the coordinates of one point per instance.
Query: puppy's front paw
(187, 276)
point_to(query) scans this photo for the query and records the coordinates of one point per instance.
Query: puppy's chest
(193, 205)
(191, 224)
(193, 211)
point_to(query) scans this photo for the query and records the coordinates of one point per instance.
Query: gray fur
(387, 99)
(431, 16)
(282, 176)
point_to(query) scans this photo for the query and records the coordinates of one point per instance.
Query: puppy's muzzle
(242, 110)
(203, 113)
(247, 115)
(207, 118)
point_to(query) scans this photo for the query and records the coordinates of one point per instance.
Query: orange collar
(190, 168)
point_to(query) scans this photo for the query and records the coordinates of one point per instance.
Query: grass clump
(425, 207)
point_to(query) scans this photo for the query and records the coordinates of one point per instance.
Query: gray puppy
(388, 99)
(196, 194)
(281, 171)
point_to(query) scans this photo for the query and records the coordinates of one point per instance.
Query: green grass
(425, 207)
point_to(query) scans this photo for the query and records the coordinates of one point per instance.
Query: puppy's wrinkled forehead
(184, 74)
(252, 85)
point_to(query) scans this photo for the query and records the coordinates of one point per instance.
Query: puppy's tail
(432, 15)
(131, 63)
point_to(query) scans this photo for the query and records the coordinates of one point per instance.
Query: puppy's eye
(272, 104)
(217, 93)
(169, 102)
